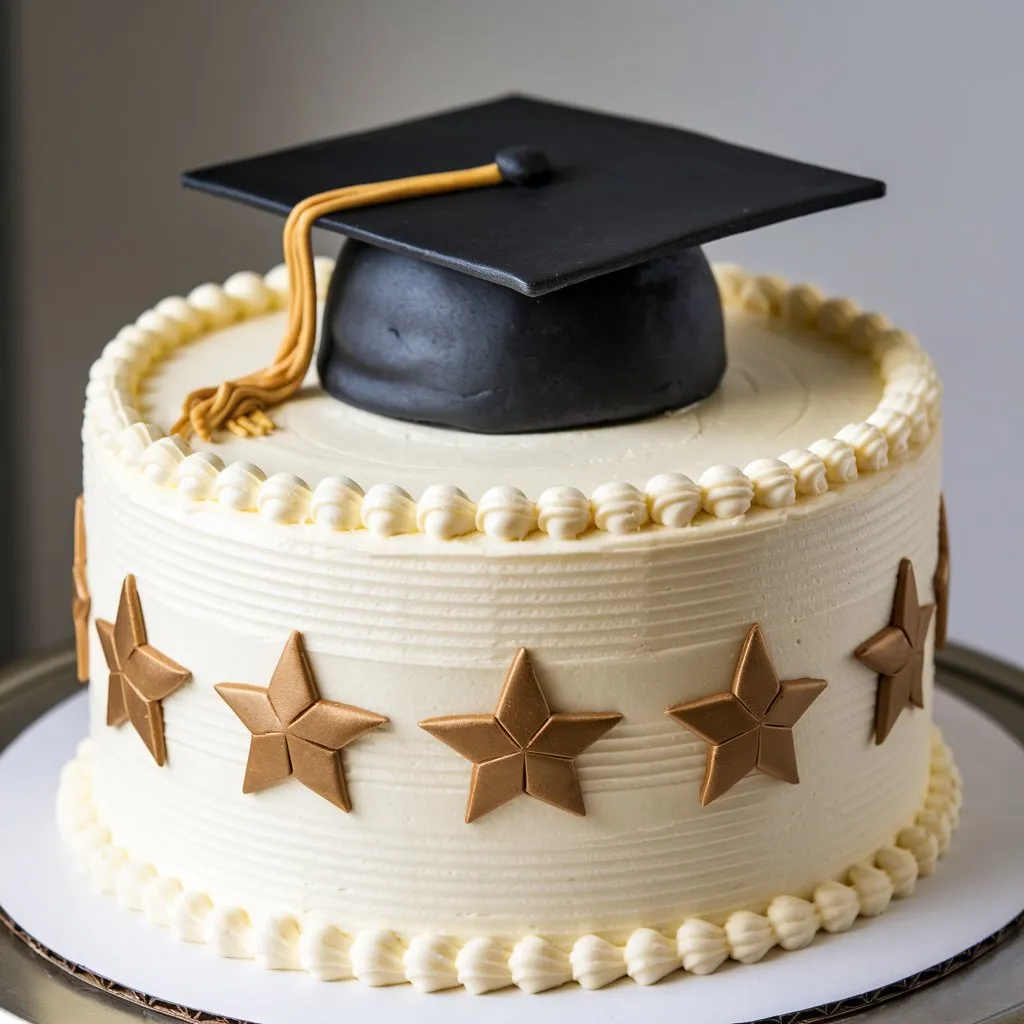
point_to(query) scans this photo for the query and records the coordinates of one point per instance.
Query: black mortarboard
(578, 298)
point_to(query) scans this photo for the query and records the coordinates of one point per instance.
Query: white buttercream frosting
(238, 486)
(483, 966)
(505, 513)
(218, 309)
(903, 405)
(702, 946)
(750, 936)
(726, 492)
(337, 504)
(430, 963)
(774, 482)
(388, 510)
(276, 942)
(157, 898)
(132, 880)
(808, 470)
(229, 931)
(794, 921)
(839, 458)
(596, 962)
(874, 889)
(179, 311)
(433, 962)
(922, 845)
(378, 958)
(870, 448)
(250, 293)
(631, 598)
(895, 428)
(900, 866)
(284, 498)
(444, 512)
(160, 460)
(674, 499)
(563, 512)
(537, 965)
(650, 956)
(196, 475)
(837, 905)
(801, 305)
(619, 507)
(187, 916)
(324, 951)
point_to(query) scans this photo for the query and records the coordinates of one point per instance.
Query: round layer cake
(242, 585)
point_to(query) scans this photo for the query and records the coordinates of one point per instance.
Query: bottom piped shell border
(432, 963)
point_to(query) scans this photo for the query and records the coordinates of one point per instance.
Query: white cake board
(977, 889)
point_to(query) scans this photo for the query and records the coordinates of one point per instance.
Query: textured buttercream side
(434, 962)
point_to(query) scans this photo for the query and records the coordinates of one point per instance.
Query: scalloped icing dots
(726, 492)
(445, 512)
(563, 513)
(505, 513)
(337, 504)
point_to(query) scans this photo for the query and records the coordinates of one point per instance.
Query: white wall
(118, 96)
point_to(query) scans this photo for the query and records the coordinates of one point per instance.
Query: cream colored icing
(435, 962)
(630, 598)
(412, 628)
(789, 383)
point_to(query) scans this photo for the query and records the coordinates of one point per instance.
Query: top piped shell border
(906, 417)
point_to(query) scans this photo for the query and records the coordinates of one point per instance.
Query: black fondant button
(523, 165)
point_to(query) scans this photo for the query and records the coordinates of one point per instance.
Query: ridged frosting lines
(905, 418)
(428, 607)
(379, 957)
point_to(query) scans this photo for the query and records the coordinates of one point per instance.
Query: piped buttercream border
(284, 941)
(906, 417)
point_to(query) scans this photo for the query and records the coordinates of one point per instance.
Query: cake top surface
(783, 389)
(817, 393)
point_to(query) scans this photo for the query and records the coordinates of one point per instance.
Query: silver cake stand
(982, 984)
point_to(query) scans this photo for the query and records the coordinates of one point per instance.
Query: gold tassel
(240, 405)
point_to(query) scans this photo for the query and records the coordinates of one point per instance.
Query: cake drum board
(972, 902)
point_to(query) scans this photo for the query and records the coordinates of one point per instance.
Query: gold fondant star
(81, 602)
(749, 728)
(294, 732)
(940, 581)
(140, 676)
(896, 653)
(523, 747)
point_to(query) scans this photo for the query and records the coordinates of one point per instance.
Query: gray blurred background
(112, 98)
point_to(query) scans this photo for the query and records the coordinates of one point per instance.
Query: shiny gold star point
(896, 653)
(141, 677)
(523, 747)
(750, 727)
(294, 731)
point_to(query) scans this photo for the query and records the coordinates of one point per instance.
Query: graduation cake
(550, 606)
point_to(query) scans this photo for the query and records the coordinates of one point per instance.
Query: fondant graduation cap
(514, 266)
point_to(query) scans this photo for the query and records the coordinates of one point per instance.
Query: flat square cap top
(622, 192)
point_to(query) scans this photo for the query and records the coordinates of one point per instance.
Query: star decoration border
(523, 747)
